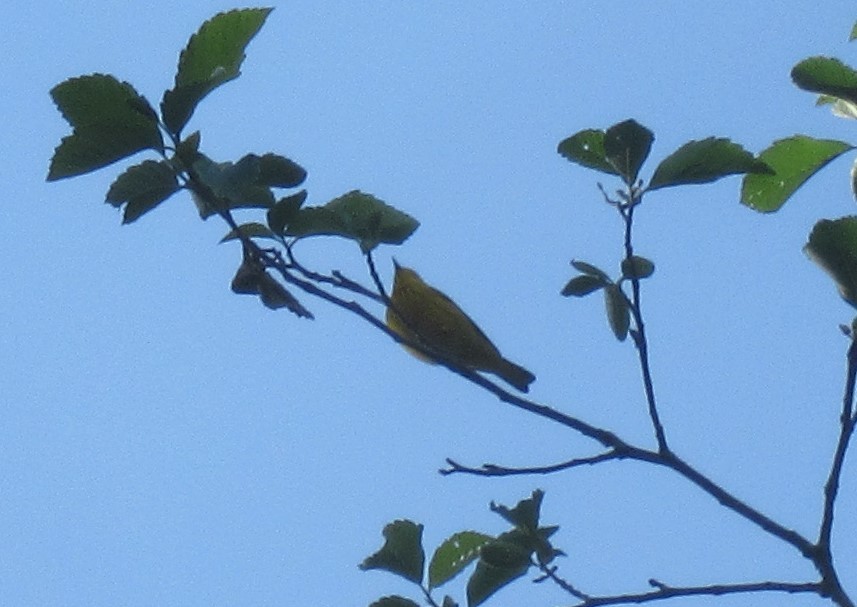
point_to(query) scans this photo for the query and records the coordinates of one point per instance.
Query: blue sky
(165, 442)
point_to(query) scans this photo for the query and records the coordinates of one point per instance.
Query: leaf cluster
(498, 559)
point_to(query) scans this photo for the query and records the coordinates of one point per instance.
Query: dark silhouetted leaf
(280, 172)
(355, 215)
(833, 246)
(586, 148)
(212, 57)
(794, 160)
(142, 187)
(525, 514)
(626, 147)
(284, 210)
(248, 277)
(591, 270)
(275, 296)
(827, 76)
(252, 229)
(235, 185)
(402, 553)
(637, 267)
(705, 161)
(618, 314)
(394, 601)
(454, 555)
(488, 579)
(107, 122)
(582, 285)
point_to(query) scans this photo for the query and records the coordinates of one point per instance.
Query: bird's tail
(515, 375)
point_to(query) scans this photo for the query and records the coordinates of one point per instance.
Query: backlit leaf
(703, 162)
(355, 215)
(402, 553)
(454, 555)
(794, 160)
(827, 76)
(213, 56)
(586, 148)
(142, 187)
(109, 121)
(833, 246)
(626, 147)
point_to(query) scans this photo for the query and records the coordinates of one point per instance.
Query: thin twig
(663, 592)
(639, 334)
(495, 470)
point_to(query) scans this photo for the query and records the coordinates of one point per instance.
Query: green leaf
(505, 555)
(828, 76)
(618, 314)
(833, 246)
(252, 229)
(586, 148)
(284, 210)
(853, 35)
(582, 285)
(454, 555)
(794, 160)
(488, 579)
(394, 601)
(234, 185)
(448, 602)
(108, 123)
(525, 514)
(626, 146)
(705, 161)
(591, 270)
(142, 187)
(637, 267)
(213, 56)
(355, 215)
(402, 553)
(279, 172)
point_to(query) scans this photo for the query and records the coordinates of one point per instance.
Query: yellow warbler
(422, 314)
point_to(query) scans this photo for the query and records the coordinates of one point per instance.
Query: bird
(424, 315)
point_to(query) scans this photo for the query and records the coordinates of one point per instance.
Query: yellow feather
(422, 314)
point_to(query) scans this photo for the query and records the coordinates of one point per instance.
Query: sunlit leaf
(402, 553)
(142, 187)
(703, 162)
(833, 246)
(109, 121)
(586, 148)
(454, 555)
(355, 215)
(794, 160)
(213, 56)
(626, 147)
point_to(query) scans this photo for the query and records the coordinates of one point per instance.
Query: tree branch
(663, 592)
(495, 470)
